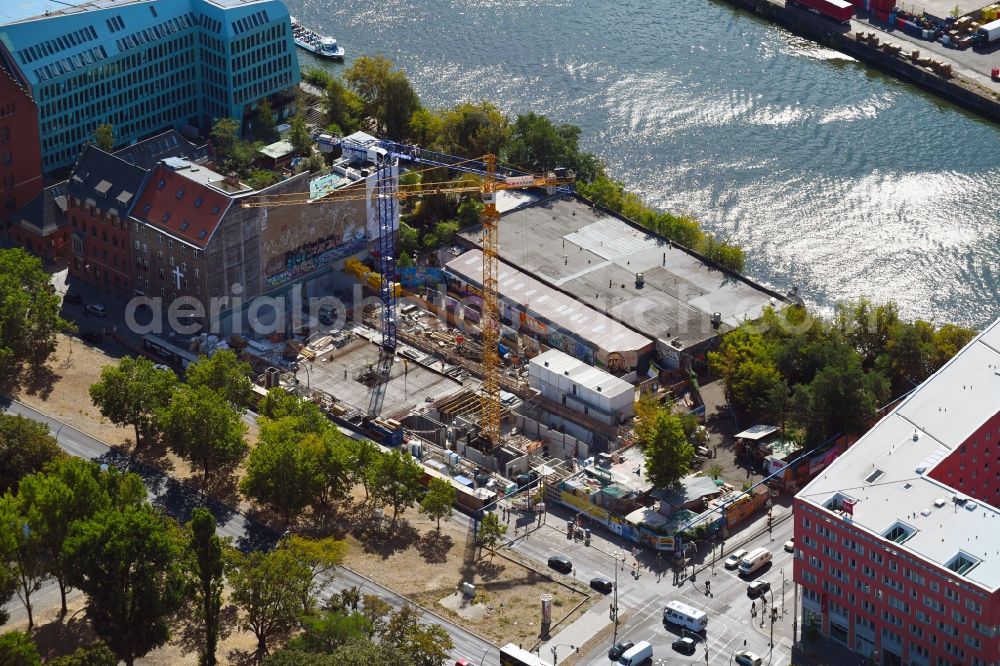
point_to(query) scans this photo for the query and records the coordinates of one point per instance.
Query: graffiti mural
(300, 263)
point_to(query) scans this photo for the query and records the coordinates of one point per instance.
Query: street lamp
(614, 606)
(555, 657)
(64, 422)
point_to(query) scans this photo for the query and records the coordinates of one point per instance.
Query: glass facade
(147, 66)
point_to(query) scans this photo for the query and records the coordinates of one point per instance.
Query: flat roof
(583, 374)
(550, 304)
(278, 149)
(595, 256)
(887, 472)
(12, 11)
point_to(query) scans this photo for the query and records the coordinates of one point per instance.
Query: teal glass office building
(143, 65)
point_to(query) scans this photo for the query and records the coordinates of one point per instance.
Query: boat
(312, 41)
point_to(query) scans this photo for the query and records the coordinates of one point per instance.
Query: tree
(473, 129)
(26, 446)
(225, 136)
(362, 455)
(397, 480)
(405, 260)
(104, 137)
(202, 427)
(328, 631)
(445, 231)
(71, 490)
(264, 122)
(267, 587)
(426, 645)
(375, 609)
(17, 649)
(388, 97)
(299, 135)
(97, 654)
(320, 557)
(868, 327)
(368, 653)
(344, 109)
(226, 374)
(490, 532)
(284, 471)
(29, 318)
(439, 500)
(537, 144)
(666, 449)
(128, 562)
(260, 179)
(21, 553)
(408, 241)
(291, 656)
(131, 392)
(206, 570)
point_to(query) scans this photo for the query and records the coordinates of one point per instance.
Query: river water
(832, 177)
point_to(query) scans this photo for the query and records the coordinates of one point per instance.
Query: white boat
(310, 40)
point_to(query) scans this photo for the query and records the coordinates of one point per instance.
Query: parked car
(97, 310)
(757, 588)
(92, 336)
(684, 645)
(463, 662)
(602, 585)
(161, 366)
(734, 558)
(790, 545)
(615, 653)
(73, 299)
(747, 658)
(561, 563)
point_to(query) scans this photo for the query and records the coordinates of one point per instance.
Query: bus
(168, 352)
(511, 655)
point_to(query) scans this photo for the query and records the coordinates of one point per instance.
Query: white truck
(988, 33)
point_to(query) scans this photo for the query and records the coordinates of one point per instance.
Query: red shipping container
(839, 10)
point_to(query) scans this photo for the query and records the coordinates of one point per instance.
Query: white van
(639, 653)
(754, 560)
(689, 617)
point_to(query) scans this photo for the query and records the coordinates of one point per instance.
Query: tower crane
(387, 191)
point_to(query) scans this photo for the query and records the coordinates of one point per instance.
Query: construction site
(504, 369)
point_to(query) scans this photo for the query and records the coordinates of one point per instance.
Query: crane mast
(490, 400)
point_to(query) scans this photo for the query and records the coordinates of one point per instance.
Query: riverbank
(893, 53)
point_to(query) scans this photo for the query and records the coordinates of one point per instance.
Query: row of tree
(818, 377)
(376, 92)
(91, 528)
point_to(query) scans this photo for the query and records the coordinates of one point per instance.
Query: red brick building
(41, 227)
(101, 192)
(898, 541)
(20, 150)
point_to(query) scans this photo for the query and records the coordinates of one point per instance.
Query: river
(833, 177)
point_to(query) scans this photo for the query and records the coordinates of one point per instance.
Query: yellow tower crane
(488, 186)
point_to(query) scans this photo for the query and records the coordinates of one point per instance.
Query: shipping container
(988, 33)
(838, 10)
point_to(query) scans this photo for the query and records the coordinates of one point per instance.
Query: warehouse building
(611, 265)
(555, 318)
(896, 542)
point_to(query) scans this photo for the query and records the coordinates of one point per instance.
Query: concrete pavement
(179, 500)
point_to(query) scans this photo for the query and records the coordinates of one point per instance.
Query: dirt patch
(429, 568)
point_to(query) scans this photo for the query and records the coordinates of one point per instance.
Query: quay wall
(955, 88)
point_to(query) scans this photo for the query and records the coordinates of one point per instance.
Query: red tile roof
(181, 207)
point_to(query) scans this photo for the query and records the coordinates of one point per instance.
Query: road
(179, 500)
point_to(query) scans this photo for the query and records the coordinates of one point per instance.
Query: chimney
(232, 179)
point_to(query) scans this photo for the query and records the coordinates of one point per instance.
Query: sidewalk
(579, 632)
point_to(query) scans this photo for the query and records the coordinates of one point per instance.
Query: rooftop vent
(940, 502)
(899, 532)
(963, 563)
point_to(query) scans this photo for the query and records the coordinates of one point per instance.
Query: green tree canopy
(285, 469)
(473, 129)
(226, 374)
(320, 557)
(325, 633)
(130, 393)
(665, 445)
(225, 136)
(439, 500)
(264, 122)
(396, 480)
(267, 587)
(21, 553)
(539, 145)
(299, 135)
(26, 446)
(201, 426)
(17, 649)
(129, 564)
(104, 137)
(344, 109)
(388, 97)
(206, 570)
(490, 532)
(29, 318)
(97, 654)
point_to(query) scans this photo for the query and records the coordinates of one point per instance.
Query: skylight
(160, 185)
(874, 476)
(184, 225)
(202, 234)
(198, 202)
(963, 563)
(166, 217)
(215, 210)
(180, 193)
(899, 532)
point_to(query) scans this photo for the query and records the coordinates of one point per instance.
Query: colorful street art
(298, 263)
